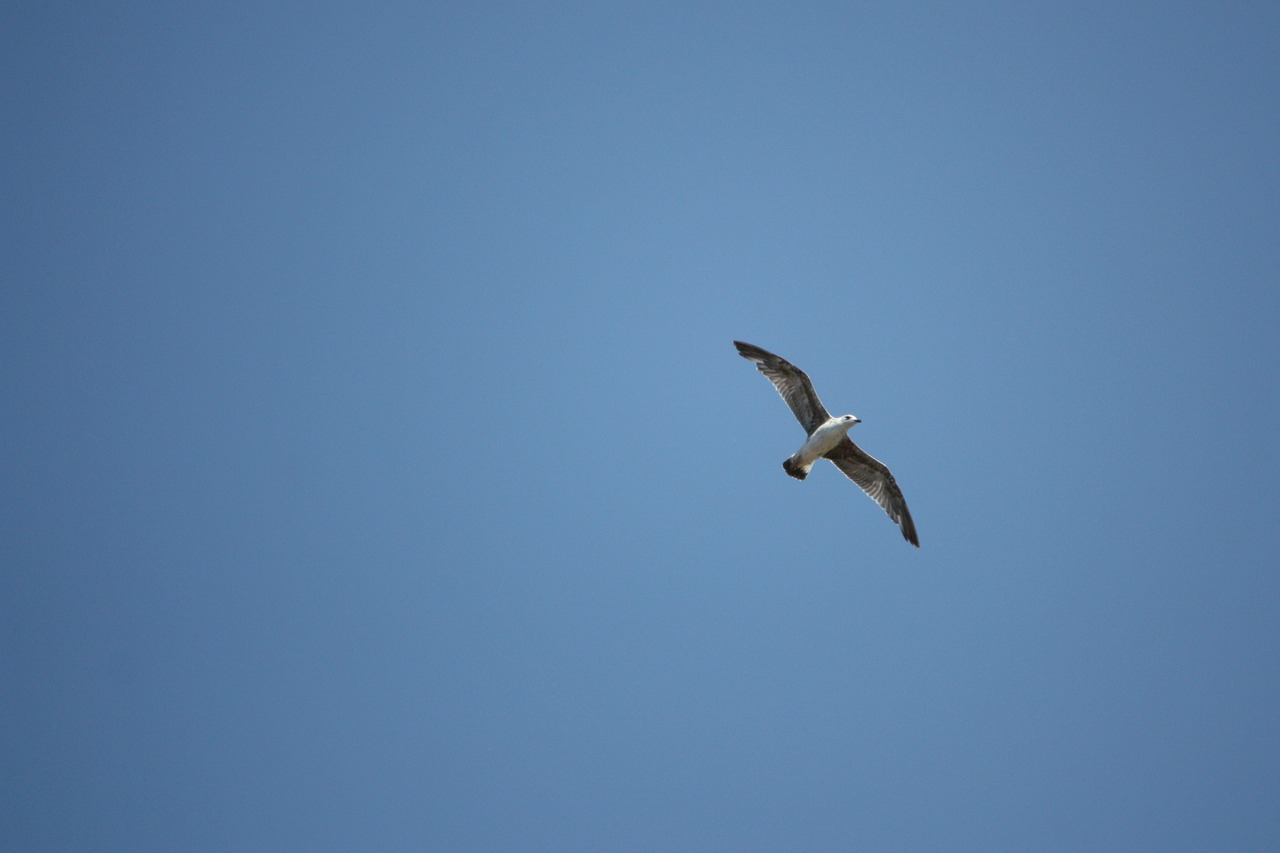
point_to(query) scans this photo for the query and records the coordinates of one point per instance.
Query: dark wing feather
(874, 478)
(791, 383)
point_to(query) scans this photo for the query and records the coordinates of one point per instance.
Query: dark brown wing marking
(874, 478)
(792, 384)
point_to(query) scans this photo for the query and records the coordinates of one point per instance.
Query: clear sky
(379, 473)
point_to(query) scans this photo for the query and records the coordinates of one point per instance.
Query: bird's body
(819, 443)
(828, 438)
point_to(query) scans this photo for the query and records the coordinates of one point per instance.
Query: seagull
(828, 437)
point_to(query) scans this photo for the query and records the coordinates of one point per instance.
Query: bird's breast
(823, 439)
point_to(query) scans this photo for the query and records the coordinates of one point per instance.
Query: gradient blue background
(379, 473)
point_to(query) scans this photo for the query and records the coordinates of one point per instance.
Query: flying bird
(828, 437)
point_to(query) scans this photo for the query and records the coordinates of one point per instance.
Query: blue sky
(380, 474)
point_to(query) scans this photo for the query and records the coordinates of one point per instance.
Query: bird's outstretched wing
(874, 478)
(791, 383)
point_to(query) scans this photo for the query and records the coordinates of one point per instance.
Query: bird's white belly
(823, 439)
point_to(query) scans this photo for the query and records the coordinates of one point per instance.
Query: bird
(828, 437)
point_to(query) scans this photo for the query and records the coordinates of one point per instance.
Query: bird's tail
(795, 469)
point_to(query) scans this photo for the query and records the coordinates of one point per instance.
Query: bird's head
(850, 420)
